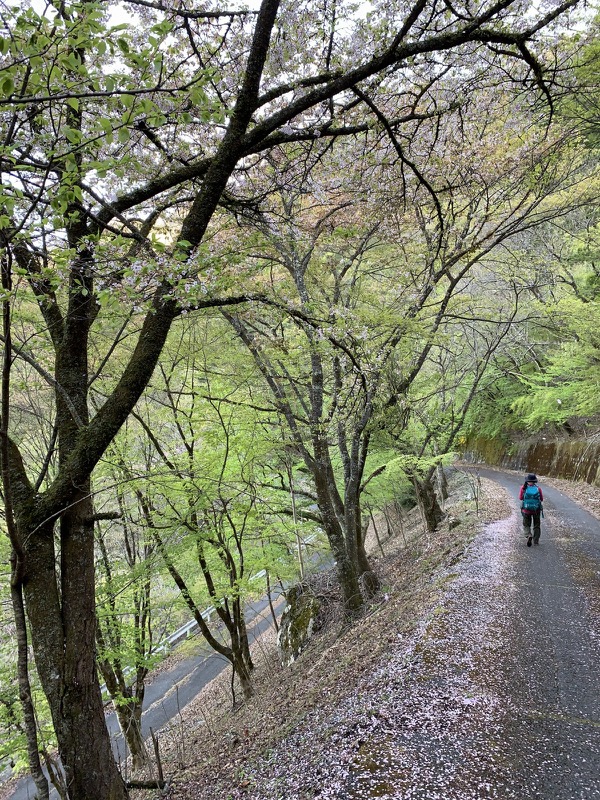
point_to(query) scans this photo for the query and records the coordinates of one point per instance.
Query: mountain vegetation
(263, 270)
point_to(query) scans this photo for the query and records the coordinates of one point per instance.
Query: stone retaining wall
(572, 459)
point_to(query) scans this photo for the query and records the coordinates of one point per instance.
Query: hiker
(531, 498)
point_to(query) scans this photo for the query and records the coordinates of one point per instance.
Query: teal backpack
(531, 499)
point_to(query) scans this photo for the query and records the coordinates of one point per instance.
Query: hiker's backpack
(531, 499)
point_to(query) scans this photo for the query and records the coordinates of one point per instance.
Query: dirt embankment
(212, 749)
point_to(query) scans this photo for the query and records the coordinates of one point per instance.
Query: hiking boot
(529, 540)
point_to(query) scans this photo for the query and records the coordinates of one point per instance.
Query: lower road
(171, 690)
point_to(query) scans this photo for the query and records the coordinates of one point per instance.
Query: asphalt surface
(549, 666)
(172, 689)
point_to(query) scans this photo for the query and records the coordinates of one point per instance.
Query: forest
(265, 269)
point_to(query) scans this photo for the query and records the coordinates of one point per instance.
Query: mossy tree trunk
(428, 503)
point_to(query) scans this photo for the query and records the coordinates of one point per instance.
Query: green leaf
(7, 86)
(73, 135)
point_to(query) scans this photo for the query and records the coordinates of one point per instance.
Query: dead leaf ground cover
(209, 751)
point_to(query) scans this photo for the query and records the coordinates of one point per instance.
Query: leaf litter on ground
(302, 733)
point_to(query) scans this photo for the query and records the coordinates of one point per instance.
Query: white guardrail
(189, 627)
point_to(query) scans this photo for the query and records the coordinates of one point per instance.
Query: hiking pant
(528, 519)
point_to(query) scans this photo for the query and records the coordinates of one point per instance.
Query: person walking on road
(531, 498)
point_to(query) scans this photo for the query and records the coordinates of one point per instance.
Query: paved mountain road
(549, 667)
(172, 689)
(496, 695)
(500, 695)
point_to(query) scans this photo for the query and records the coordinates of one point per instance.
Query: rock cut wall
(571, 459)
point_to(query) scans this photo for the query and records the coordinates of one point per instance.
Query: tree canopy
(347, 198)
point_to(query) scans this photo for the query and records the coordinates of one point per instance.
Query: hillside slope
(211, 748)
(455, 684)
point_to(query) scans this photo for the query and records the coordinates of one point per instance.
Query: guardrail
(190, 627)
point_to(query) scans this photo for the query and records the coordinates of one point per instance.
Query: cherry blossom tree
(119, 144)
(367, 280)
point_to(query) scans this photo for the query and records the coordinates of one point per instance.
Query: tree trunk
(364, 565)
(243, 673)
(345, 558)
(128, 701)
(63, 638)
(129, 714)
(442, 482)
(17, 553)
(270, 599)
(240, 650)
(355, 535)
(430, 508)
(368, 578)
(245, 644)
(35, 765)
(376, 531)
(348, 579)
